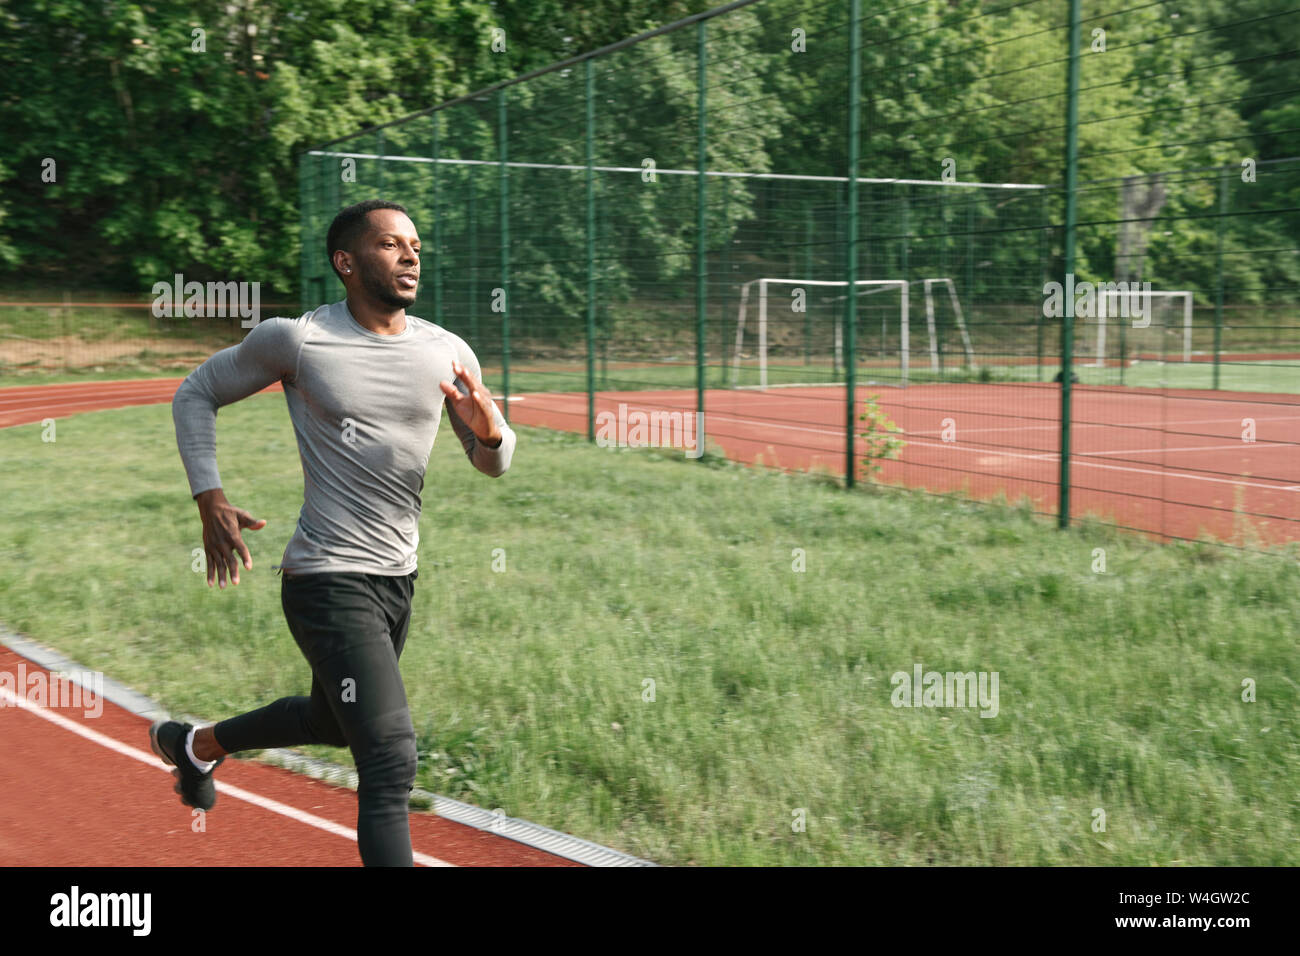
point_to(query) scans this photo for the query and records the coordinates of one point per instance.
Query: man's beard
(385, 294)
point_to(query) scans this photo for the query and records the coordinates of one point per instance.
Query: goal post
(957, 315)
(1116, 303)
(879, 284)
(865, 287)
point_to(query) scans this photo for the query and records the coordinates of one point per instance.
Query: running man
(365, 384)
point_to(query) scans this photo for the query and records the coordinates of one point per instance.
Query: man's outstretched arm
(266, 355)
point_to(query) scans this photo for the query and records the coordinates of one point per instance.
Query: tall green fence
(786, 215)
(778, 215)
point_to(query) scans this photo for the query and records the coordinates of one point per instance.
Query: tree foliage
(178, 150)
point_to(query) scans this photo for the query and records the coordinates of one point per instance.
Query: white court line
(150, 759)
(1056, 425)
(1167, 473)
(1148, 451)
(1055, 456)
(1144, 451)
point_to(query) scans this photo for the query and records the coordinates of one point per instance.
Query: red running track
(83, 788)
(24, 404)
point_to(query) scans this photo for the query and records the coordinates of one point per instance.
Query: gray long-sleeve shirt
(365, 408)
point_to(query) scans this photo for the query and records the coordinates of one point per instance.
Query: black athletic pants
(351, 628)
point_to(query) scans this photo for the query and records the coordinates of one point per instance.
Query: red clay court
(1171, 463)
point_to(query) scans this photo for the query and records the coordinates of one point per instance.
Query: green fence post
(701, 226)
(1071, 214)
(589, 83)
(943, 271)
(970, 273)
(1045, 274)
(606, 315)
(336, 188)
(334, 173)
(437, 231)
(1218, 291)
(905, 256)
(724, 360)
(505, 250)
(808, 274)
(313, 206)
(473, 259)
(326, 182)
(304, 229)
(851, 252)
(838, 204)
(1123, 351)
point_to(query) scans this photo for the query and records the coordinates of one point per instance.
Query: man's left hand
(477, 410)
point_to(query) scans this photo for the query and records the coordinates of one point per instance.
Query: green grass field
(1119, 692)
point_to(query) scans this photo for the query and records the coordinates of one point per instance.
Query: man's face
(388, 259)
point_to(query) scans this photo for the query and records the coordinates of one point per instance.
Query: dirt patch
(70, 351)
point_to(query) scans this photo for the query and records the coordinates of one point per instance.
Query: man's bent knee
(387, 759)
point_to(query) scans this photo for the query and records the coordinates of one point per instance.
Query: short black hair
(350, 224)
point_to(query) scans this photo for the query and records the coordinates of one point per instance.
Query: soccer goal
(865, 287)
(957, 316)
(1127, 308)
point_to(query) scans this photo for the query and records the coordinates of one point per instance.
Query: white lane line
(1254, 446)
(1149, 451)
(1141, 426)
(293, 813)
(1076, 459)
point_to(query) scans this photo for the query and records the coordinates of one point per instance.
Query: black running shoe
(167, 738)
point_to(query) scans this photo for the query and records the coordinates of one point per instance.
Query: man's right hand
(222, 522)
